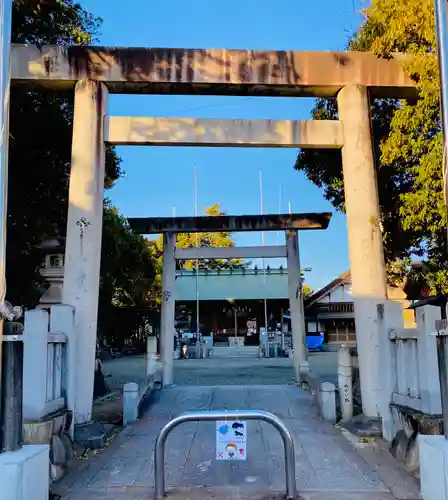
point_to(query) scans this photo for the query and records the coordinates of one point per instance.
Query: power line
(207, 106)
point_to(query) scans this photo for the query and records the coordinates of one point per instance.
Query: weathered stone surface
(93, 435)
(38, 432)
(211, 71)
(268, 222)
(58, 455)
(393, 474)
(322, 134)
(364, 426)
(51, 431)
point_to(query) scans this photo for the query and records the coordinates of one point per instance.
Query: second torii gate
(291, 224)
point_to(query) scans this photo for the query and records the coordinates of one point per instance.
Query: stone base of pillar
(304, 367)
(53, 431)
(94, 435)
(302, 370)
(362, 426)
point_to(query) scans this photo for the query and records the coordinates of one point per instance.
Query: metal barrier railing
(206, 416)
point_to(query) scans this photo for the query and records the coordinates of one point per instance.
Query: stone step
(227, 493)
(236, 352)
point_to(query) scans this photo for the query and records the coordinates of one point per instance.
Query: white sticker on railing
(231, 440)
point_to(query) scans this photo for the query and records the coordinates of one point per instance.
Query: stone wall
(52, 430)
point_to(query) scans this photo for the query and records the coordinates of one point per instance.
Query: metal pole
(5, 40)
(236, 322)
(197, 260)
(290, 212)
(12, 389)
(175, 263)
(177, 343)
(264, 267)
(282, 332)
(441, 342)
(207, 416)
(440, 8)
(443, 373)
(279, 209)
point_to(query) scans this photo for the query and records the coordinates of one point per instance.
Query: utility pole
(280, 192)
(5, 77)
(198, 330)
(442, 48)
(263, 262)
(440, 7)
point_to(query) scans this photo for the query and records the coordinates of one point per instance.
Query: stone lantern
(52, 270)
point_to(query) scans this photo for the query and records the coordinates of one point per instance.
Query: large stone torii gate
(93, 72)
(291, 224)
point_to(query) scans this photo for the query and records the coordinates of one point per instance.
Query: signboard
(251, 327)
(231, 440)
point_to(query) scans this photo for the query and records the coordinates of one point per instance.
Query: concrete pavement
(328, 467)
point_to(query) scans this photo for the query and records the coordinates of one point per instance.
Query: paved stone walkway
(211, 371)
(328, 467)
(219, 371)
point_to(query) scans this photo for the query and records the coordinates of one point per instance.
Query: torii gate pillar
(300, 353)
(83, 243)
(167, 329)
(364, 237)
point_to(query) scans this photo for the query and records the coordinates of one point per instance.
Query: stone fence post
(131, 399)
(390, 317)
(151, 355)
(345, 382)
(427, 359)
(35, 344)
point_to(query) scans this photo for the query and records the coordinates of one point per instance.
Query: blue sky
(156, 178)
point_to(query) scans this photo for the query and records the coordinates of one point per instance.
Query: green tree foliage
(407, 142)
(221, 239)
(306, 291)
(191, 240)
(188, 240)
(58, 22)
(127, 274)
(39, 168)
